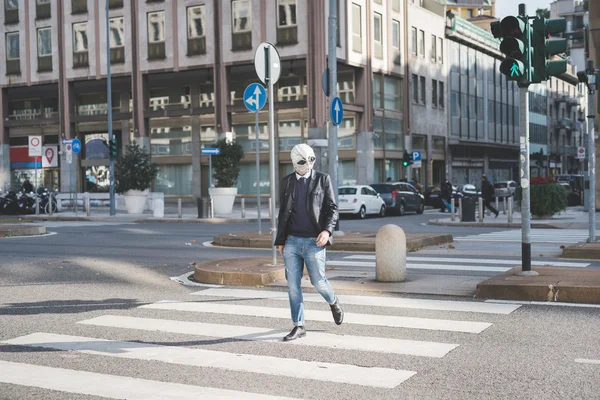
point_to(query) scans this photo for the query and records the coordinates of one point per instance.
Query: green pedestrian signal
(544, 48)
(515, 33)
(407, 159)
(113, 148)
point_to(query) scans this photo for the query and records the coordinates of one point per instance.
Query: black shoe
(297, 332)
(338, 313)
(497, 213)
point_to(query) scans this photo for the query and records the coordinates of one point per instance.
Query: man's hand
(323, 238)
(280, 248)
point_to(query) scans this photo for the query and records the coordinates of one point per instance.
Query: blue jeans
(297, 251)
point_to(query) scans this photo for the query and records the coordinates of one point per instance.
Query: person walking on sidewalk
(307, 218)
(488, 192)
(446, 195)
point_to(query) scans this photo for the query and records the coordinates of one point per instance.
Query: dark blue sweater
(300, 224)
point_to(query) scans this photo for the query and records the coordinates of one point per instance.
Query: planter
(223, 199)
(135, 201)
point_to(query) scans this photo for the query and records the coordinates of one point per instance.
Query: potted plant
(134, 172)
(226, 172)
(547, 197)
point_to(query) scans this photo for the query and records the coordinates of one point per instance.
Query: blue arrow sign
(416, 155)
(255, 97)
(337, 111)
(76, 143)
(211, 151)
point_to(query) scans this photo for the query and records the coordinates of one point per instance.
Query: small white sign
(274, 62)
(35, 146)
(50, 157)
(417, 164)
(581, 153)
(69, 157)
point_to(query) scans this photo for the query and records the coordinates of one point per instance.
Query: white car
(360, 200)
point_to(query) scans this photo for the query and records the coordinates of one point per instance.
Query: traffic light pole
(591, 151)
(109, 112)
(333, 130)
(525, 184)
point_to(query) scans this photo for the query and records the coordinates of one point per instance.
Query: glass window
(346, 172)
(346, 132)
(422, 43)
(415, 88)
(80, 38)
(170, 136)
(96, 103)
(96, 146)
(286, 13)
(419, 142)
(377, 91)
(117, 32)
(422, 96)
(454, 104)
(174, 179)
(438, 143)
(242, 16)
(433, 48)
(196, 16)
(97, 179)
(394, 141)
(289, 89)
(247, 181)
(396, 5)
(440, 52)
(12, 46)
(441, 96)
(290, 134)
(12, 4)
(395, 34)
(377, 28)
(392, 92)
(356, 28)
(156, 27)
(245, 134)
(434, 95)
(413, 40)
(44, 42)
(345, 86)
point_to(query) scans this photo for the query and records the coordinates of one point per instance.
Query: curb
(255, 272)
(20, 230)
(581, 251)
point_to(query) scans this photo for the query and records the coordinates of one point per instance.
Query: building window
(80, 45)
(117, 40)
(378, 35)
(441, 95)
(287, 25)
(241, 13)
(78, 6)
(356, 28)
(415, 88)
(470, 13)
(440, 51)
(422, 43)
(44, 49)
(396, 54)
(423, 96)
(396, 5)
(11, 11)
(434, 95)
(196, 34)
(377, 88)
(392, 93)
(156, 35)
(13, 55)
(345, 86)
(43, 9)
(413, 40)
(433, 48)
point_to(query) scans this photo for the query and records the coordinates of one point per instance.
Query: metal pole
(37, 205)
(452, 209)
(460, 209)
(525, 200)
(270, 203)
(503, 205)
(109, 111)
(88, 209)
(258, 176)
(332, 65)
(591, 154)
(179, 208)
(497, 203)
(36, 174)
(212, 208)
(510, 210)
(271, 154)
(210, 171)
(243, 208)
(480, 209)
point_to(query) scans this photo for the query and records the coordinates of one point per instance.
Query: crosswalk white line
(113, 386)
(477, 261)
(321, 371)
(397, 302)
(324, 316)
(544, 303)
(587, 361)
(437, 267)
(317, 339)
(537, 236)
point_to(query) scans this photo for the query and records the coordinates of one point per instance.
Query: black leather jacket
(322, 209)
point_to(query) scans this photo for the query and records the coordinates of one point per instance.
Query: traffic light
(113, 148)
(539, 158)
(407, 159)
(544, 48)
(515, 33)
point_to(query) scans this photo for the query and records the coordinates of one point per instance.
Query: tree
(134, 170)
(227, 164)
(543, 12)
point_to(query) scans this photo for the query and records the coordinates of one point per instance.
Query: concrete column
(139, 82)
(220, 75)
(125, 125)
(4, 146)
(196, 167)
(365, 158)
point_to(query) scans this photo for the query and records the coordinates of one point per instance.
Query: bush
(547, 197)
(227, 164)
(134, 170)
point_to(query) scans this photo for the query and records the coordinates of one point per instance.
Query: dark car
(400, 197)
(433, 197)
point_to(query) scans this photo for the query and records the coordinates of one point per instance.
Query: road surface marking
(321, 371)
(544, 303)
(113, 386)
(587, 361)
(537, 236)
(437, 267)
(318, 339)
(397, 302)
(324, 316)
(478, 261)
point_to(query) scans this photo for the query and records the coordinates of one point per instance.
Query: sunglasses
(302, 162)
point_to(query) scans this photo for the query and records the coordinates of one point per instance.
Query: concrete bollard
(159, 208)
(179, 208)
(481, 209)
(88, 208)
(497, 203)
(243, 208)
(390, 254)
(510, 210)
(452, 209)
(504, 204)
(37, 206)
(212, 208)
(270, 204)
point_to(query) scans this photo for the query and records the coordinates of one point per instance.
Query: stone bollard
(390, 254)
(159, 208)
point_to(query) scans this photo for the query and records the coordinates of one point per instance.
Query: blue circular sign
(76, 145)
(337, 110)
(255, 97)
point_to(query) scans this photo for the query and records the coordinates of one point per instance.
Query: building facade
(577, 16)
(471, 8)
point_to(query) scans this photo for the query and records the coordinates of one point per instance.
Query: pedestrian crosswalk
(559, 236)
(372, 325)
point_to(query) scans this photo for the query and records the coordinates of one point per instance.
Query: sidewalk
(572, 218)
(8, 230)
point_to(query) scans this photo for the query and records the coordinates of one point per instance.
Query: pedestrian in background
(446, 195)
(308, 214)
(488, 192)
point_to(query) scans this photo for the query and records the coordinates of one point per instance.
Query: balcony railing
(13, 67)
(117, 55)
(44, 63)
(196, 46)
(11, 16)
(156, 51)
(242, 41)
(78, 6)
(288, 35)
(115, 3)
(80, 60)
(43, 11)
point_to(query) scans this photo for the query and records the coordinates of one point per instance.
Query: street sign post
(416, 157)
(337, 111)
(210, 151)
(581, 153)
(255, 97)
(268, 68)
(35, 151)
(76, 145)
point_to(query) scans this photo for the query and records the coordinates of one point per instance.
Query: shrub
(547, 197)
(134, 170)
(227, 164)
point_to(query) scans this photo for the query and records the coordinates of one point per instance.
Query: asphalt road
(50, 285)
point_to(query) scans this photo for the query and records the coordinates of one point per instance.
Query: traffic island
(352, 241)
(21, 230)
(551, 285)
(583, 251)
(239, 272)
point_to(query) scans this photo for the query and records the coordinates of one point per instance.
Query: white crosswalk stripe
(415, 261)
(562, 236)
(110, 344)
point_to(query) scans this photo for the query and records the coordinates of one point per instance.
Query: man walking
(307, 217)
(488, 192)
